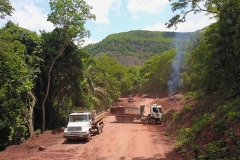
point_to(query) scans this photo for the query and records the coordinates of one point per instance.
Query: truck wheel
(126, 120)
(119, 119)
(99, 130)
(68, 140)
(131, 119)
(89, 137)
(152, 121)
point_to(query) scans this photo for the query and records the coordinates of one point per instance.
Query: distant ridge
(134, 47)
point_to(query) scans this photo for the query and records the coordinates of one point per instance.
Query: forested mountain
(134, 47)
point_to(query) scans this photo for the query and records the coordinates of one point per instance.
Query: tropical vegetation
(45, 77)
(211, 83)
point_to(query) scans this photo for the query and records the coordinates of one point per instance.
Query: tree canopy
(5, 8)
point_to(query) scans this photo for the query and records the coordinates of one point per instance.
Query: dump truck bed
(125, 111)
(97, 115)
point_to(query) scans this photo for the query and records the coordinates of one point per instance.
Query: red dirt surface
(118, 141)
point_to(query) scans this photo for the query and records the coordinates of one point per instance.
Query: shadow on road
(135, 122)
(169, 156)
(77, 141)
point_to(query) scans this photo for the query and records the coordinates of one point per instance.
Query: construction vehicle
(130, 99)
(83, 124)
(129, 114)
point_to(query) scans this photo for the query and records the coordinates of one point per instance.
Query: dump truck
(129, 114)
(83, 124)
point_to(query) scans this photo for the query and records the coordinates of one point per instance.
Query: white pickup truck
(82, 124)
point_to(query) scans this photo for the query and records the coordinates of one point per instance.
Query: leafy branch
(211, 7)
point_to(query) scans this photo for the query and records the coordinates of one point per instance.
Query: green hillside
(134, 47)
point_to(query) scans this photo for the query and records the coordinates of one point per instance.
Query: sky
(112, 16)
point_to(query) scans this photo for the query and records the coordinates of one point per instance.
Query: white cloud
(101, 9)
(193, 22)
(157, 27)
(148, 6)
(201, 20)
(88, 41)
(28, 15)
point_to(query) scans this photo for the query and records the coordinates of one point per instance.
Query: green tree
(116, 73)
(213, 65)
(95, 86)
(70, 16)
(188, 46)
(65, 91)
(155, 72)
(32, 43)
(133, 80)
(195, 6)
(14, 84)
(5, 8)
(23, 55)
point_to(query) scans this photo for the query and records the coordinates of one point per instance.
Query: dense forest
(44, 77)
(134, 47)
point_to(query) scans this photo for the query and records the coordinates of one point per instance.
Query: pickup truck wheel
(126, 120)
(152, 121)
(119, 119)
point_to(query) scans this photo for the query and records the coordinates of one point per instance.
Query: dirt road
(134, 141)
(118, 141)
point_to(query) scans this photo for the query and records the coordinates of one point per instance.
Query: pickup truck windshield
(78, 118)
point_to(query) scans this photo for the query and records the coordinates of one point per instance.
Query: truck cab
(82, 124)
(79, 126)
(155, 115)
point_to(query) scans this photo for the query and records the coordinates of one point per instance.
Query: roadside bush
(192, 95)
(215, 151)
(219, 125)
(234, 115)
(188, 135)
(185, 136)
(200, 121)
(187, 108)
(174, 114)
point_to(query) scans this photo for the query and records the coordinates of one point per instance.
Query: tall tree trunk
(48, 86)
(30, 112)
